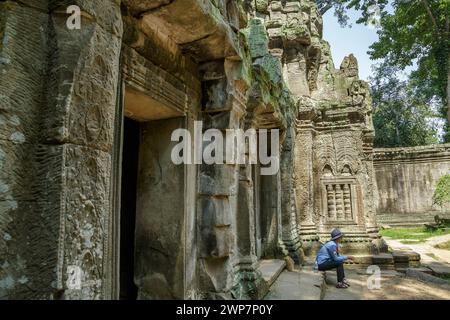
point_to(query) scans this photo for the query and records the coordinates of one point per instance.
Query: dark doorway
(130, 161)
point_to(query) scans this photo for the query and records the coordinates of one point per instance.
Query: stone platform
(387, 261)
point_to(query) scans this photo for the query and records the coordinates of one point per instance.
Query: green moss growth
(294, 30)
(257, 38)
(262, 6)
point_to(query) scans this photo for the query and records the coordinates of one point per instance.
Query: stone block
(417, 274)
(137, 7)
(197, 26)
(382, 259)
(221, 121)
(216, 242)
(28, 250)
(363, 259)
(216, 212)
(83, 173)
(18, 159)
(400, 257)
(105, 13)
(23, 63)
(218, 180)
(291, 7)
(440, 269)
(262, 6)
(257, 38)
(83, 77)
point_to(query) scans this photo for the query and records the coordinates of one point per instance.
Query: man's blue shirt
(329, 253)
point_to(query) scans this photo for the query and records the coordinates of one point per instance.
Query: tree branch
(325, 8)
(430, 14)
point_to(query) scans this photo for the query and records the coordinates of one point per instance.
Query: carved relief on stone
(339, 166)
(339, 199)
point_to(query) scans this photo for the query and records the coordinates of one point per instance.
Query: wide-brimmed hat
(336, 234)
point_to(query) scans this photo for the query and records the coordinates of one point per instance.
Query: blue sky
(356, 39)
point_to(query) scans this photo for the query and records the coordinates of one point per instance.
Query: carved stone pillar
(305, 186)
(248, 281)
(290, 232)
(218, 186)
(78, 126)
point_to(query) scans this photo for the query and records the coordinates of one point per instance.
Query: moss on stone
(257, 39)
(262, 6)
(294, 30)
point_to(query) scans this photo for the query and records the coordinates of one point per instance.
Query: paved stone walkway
(302, 284)
(306, 284)
(394, 286)
(427, 251)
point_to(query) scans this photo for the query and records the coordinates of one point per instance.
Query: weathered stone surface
(406, 179)
(413, 273)
(28, 238)
(84, 81)
(104, 13)
(139, 7)
(201, 230)
(271, 269)
(197, 26)
(383, 259)
(159, 238)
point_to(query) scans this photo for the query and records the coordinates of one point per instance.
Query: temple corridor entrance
(130, 162)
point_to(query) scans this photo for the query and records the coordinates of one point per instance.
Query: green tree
(367, 8)
(411, 32)
(441, 195)
(419, 31)
(402, 117)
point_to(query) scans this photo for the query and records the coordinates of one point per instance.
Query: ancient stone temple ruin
(91, 205)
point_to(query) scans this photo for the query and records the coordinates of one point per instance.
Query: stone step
(271, 269)
(425, 277)
(304, 284)
(439, 269)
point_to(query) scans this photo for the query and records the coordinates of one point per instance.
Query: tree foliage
(441, 195)
(418, 31)
(341, 7)
(402, 117)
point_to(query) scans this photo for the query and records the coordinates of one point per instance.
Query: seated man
(329, 258)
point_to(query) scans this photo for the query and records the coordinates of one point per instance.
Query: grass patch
(410, 241)
(421, 234)
(443, 245)
(432, 255)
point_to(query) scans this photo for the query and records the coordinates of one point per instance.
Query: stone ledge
(425, 277)
(271, 270)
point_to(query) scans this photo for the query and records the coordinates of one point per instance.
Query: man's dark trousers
(329, 265)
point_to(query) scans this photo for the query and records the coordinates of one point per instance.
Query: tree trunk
(448, 89)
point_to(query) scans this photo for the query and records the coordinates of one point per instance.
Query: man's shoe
(341, 285)
(346, 282)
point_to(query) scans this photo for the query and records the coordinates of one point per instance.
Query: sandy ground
(305, 284)
(393, 286)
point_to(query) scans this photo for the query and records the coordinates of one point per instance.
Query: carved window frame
(355, 199)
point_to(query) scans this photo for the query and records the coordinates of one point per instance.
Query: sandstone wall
(58, 101)
(406, 180)
(201, 229)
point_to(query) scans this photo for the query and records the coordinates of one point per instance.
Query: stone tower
(330, 175)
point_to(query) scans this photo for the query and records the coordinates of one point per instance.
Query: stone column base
(249, 283)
